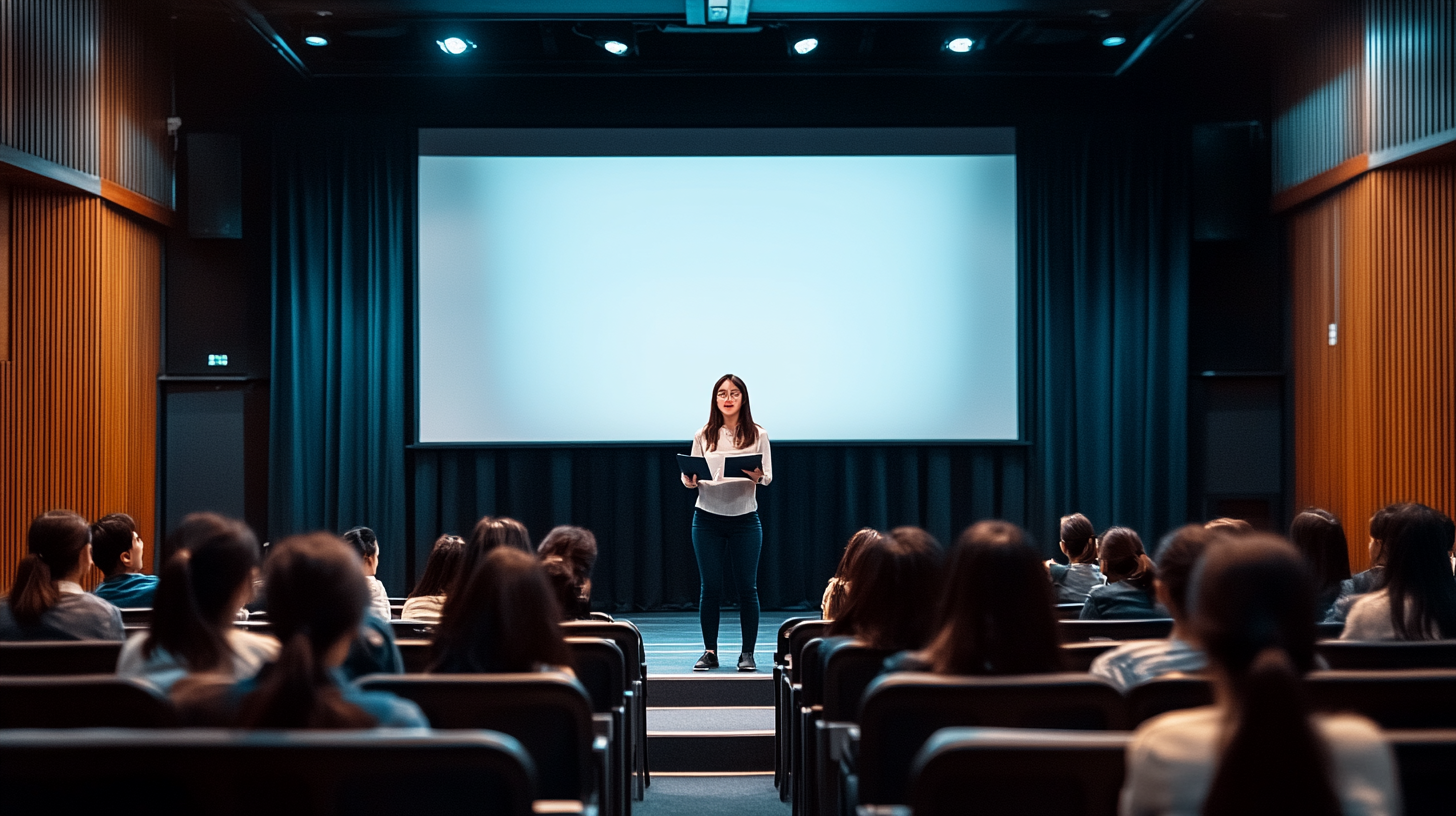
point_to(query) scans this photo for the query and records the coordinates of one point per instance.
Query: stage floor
(674, 640)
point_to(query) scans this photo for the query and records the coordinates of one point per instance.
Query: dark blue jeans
(738, 539)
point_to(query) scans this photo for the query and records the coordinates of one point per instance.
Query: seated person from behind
(576, 549)
(1141, 660)
(998, 610)
(1128, 593)
(441, 570)
(504, 619)
(1080, 575)
(895, 586)
(1371, 579)
(117, 550)
(364, 542)
(836, 592)
(1320, 538)
(316, 599)
(46, 601)
(206, 581)
(1258, 749)
(1418, 599)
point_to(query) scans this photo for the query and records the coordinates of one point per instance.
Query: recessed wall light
(805, 45)
(1113, 41)
(959, 45)
(616, 47)
(316, 40)
(455, 46)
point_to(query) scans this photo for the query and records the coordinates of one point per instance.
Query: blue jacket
(128, 590)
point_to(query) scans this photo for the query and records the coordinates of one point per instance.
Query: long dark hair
(442, 567)
(1251, 599)
(1079, 538)
(1418, 573)
(55, 543)
(316, 596)
(1178, 554)
(746, 433)
(489, 533)
(1320, 538)
(840, 591)
(574, 545)
(212, 559)
(111, 536)
(504, 619)
(1122, 558)
(997, 608)
(893, 579)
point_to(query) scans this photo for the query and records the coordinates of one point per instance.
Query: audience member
(316, 600)
(1080, 575)
(997, 614)
(503, 619)
(364, 542)
(1372, 578)
(837, 591)
(1229, 525)
(1128, 592)
(1320, 538)
(428, 599)
(894, 587)
(117, 550)
(1141, 660)
(46, 601)
(1418, 598)
(1258, 750)
(562, 578)
(577, 549)
(206, 581)
(489, 533)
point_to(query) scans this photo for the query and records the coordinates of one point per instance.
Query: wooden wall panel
(1375, 414)
(1318, 96)
(49, 51)
(136, 152)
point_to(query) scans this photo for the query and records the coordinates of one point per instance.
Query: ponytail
(1079, 539)
(193, 609)
(1274, 762)
(34, 591)
(297, 692)
(178, 624)
(55, 542)
(1123, 559)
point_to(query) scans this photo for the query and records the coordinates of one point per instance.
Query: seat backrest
(1069, 611)
(1079, 656)
(549, 713)
(1395, 654)
(52, 657)
(1424, 759)
(902, 710)
(1328, 631)
(1406, 698)
(231, 773)
(416, 654)
(811, 677)
(625, 634)
(1000, 772)
(781, 646)
(849, 667)
(799, 634)
(412, 629)
(1164, 694)
(136, 615)
(1072, 631)
(599, 666)
(83, 701)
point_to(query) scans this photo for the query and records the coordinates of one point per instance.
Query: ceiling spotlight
(616, 47)
(1113, 41)
(960, 45)
(455, 46)
(805, 45)
(316, 39)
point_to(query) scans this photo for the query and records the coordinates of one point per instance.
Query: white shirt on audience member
(731, 496)
(378, 599)
(425, 608)
(1172, 758)
(1369, 619)
(162, 669)
(1138, 662)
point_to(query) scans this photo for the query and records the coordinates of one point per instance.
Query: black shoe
(745, 662)
(709, 660)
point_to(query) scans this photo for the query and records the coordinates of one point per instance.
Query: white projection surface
(597, 298)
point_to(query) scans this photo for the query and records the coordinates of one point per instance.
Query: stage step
(711, 740)
(717, 688)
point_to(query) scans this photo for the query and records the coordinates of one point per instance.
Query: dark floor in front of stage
(674, 640)
(708, 795)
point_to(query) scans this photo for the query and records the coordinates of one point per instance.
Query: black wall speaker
(214, 185)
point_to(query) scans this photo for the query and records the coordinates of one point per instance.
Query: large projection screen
(591, 285)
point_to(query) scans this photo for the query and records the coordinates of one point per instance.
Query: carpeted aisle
(705, 795)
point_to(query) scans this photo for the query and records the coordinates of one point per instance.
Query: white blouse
(730, 496)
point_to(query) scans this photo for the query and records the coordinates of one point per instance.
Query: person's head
(729, 406)
(564, 587)
(115, 546)
(1121, 557)
(442, 566)
(1379, 532)
(58, 548)
(893, 579)
(1250, 600)
(316, 595)
(489, 533)
(366, 544)
(1320, 538)
(997, 615)
(203, 585)
(840, 591)
(574, 545)
(1418, 572)
(1230, 525)
(1078, 539)
(1178, 553)
(503, 619)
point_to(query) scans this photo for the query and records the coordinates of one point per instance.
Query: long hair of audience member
(998, 608)
(1380, 523)
(893, 587)
(577, 549)
(562, 578)
(489, 533)
(839, 584)
(504, 619)
(1178, 554)
(1079, 539)
(55, 545)
(1251, 599)
(1320, 538)
(1123, 560)
(316, 598)
(207, 578)
(442, 567)
(1418, 573)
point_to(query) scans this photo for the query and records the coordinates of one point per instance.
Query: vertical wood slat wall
(48, 80)
(1375, 414)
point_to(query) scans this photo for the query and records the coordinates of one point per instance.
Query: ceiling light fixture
(455, 46)
(616, 48)
(1113, 41)
(805, 45)
(316, 40)
(959, 45)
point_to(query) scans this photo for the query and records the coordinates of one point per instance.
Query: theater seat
(788, 667)
(231, 773)
(629, 639)
(1163, 694)
(1079, 656)
(849, 667)
(1072, 631)
(83, 701)
(1416, 654)
(1406, 698)
(53, 657)
(601, 669)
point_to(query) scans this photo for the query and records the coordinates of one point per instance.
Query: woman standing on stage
(725, 523)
